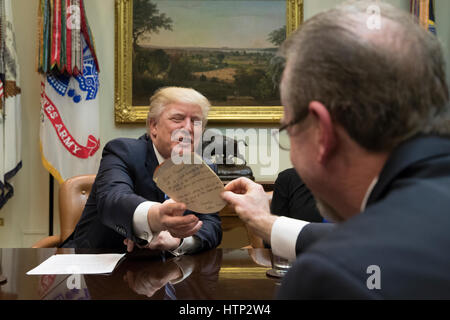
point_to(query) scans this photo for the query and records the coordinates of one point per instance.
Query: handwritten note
(193, 183)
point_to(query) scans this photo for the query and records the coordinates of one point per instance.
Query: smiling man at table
(126, 207)
(366, 111)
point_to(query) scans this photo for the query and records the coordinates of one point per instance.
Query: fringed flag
(62, 24)
(69, 129)
(424, 11)
(10, 106)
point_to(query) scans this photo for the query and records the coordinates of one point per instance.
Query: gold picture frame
(125, 112)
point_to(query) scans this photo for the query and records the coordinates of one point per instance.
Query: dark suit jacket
(405, 231)
(124, 180)
(291, 198)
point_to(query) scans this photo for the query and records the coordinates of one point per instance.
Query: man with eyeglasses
(125, 207)
(366, 112)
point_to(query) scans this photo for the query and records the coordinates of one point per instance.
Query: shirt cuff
(284, 236)
(141, 228)
(188, 245)
(186, 265)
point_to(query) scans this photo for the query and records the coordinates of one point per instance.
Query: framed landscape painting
(225, 49)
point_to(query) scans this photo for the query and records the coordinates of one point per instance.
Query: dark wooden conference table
(219, 274)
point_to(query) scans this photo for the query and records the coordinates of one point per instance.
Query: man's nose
(188, 125)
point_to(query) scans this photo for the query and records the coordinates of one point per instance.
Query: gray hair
(383, 86)
(167, 95)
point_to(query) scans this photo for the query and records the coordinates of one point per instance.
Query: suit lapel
(404, 156)
(151, 162)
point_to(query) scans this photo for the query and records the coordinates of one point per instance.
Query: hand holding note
(169, 216)
(251, 204)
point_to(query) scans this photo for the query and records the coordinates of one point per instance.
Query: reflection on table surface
(223, 274)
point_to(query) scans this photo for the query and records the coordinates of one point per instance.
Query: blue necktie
(170, 292)
(169, 289)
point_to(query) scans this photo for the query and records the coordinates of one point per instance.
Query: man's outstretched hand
(251, 204)
(169, 216)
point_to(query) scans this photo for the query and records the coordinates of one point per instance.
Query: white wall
(26, 214)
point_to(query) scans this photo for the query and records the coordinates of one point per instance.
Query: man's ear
(152, 128)
(327, 136)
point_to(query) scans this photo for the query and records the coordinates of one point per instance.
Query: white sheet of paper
(78, 264)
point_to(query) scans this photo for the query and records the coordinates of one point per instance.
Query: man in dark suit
(125, 207)
(367, 113)
(292, 198)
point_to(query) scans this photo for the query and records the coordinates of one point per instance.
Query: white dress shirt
(285, 230)
(142, 229)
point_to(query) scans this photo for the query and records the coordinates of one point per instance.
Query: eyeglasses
(282, 135)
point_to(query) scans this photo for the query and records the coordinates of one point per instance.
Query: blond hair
(167, 95)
